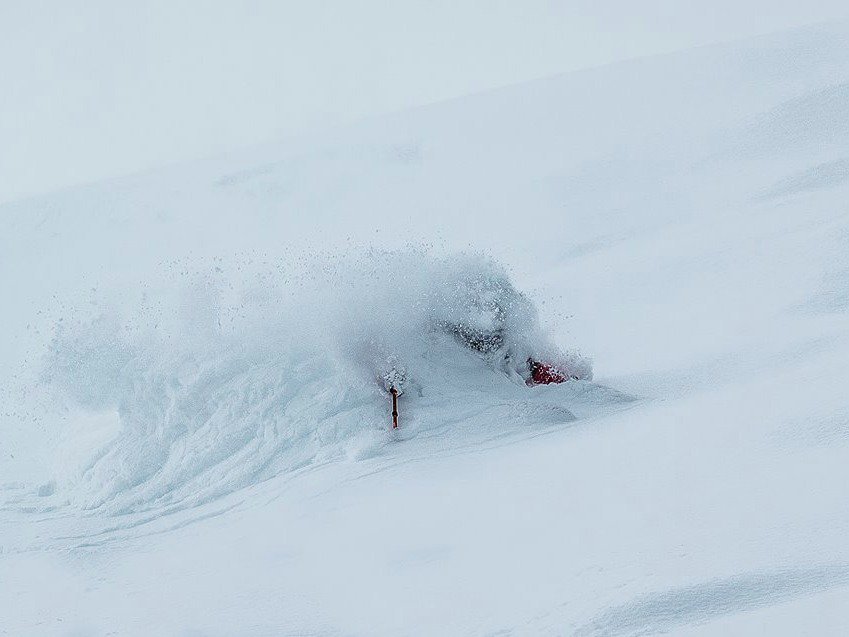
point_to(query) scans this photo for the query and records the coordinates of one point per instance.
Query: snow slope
(195, 444)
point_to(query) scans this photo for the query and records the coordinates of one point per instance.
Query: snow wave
(244, 371)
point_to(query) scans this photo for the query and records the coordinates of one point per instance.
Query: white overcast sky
(97, 88)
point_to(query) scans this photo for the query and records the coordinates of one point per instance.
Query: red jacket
(545, 373)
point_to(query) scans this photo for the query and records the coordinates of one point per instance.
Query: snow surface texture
(195, 435)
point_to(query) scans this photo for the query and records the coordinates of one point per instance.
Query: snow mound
(250, 369)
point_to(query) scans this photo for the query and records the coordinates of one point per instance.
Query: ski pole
(394, 393)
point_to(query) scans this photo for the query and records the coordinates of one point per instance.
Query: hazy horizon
(94, 90)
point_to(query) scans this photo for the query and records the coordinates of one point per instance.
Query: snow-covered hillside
(195, 441)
